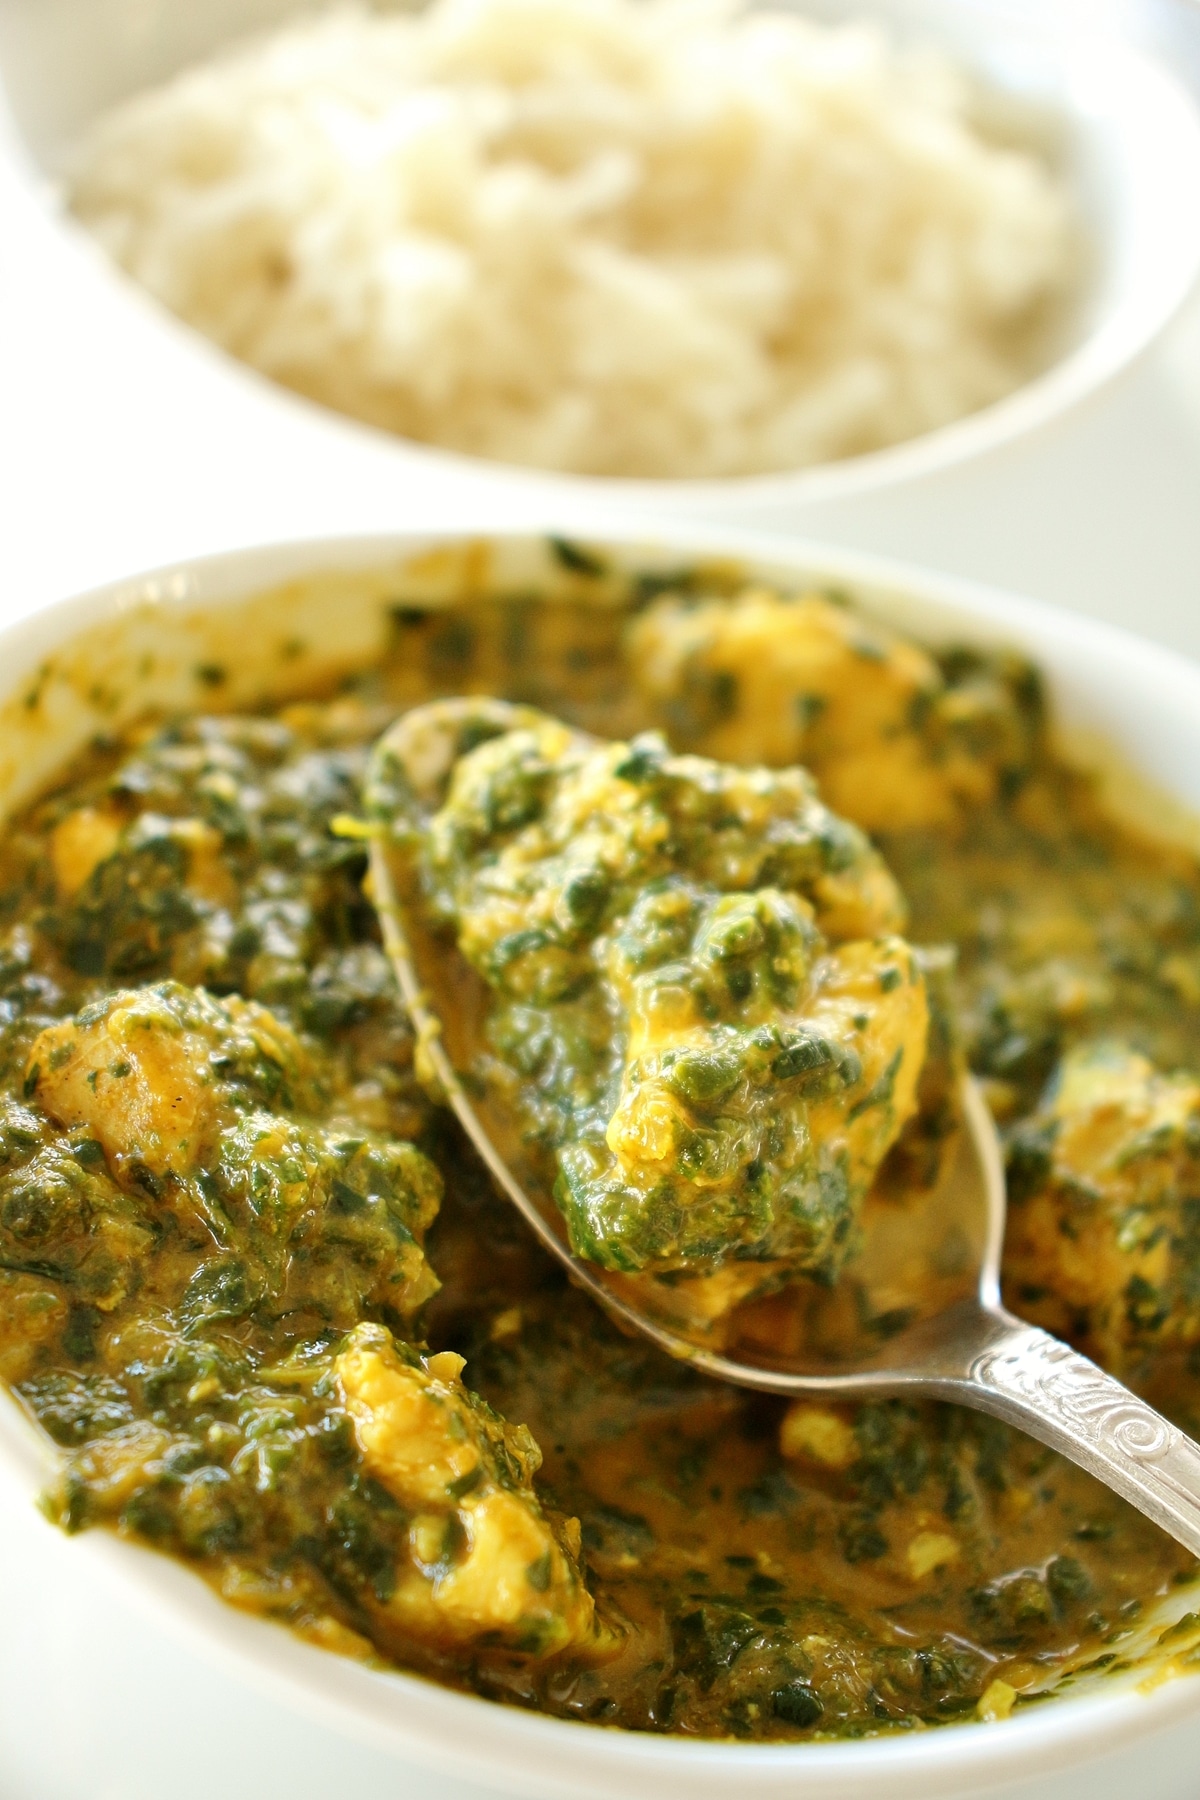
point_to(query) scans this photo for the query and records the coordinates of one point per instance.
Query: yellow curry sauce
(242, 1254)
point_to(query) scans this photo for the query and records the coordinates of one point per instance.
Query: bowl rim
(1139, 91)
(476, 1739)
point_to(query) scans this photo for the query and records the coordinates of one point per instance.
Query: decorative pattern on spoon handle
(1058, 1396)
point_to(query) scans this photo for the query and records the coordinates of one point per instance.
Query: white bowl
(92, 662)
(1130, 143)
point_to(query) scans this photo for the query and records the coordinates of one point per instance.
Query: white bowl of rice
(671, 250)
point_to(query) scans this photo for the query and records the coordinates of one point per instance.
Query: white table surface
(123, 445)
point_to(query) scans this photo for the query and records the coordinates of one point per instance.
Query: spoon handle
(1032, 1380)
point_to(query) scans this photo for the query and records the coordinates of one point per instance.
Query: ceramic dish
(1129, 139)
(99, 660)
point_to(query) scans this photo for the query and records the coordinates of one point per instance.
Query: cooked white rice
(625, 237)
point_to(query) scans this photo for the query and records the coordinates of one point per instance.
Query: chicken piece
(486, 1560)
(871, 996)
(79, 843)
(1103, 1241)
(819, 1436)
(141, 1070)
(134, 1076)
(699, 1010)
(211, 1108)
(766, 679)
(760, 1134)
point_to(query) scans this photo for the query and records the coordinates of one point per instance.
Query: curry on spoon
(668, 1002)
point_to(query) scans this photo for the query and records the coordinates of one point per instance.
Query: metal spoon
(961, 1345)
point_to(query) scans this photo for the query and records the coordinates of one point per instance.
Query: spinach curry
(711, 1084)
(243, 1254)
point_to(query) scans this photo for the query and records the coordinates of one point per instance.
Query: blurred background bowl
(1124, 131)
(1079, 489)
